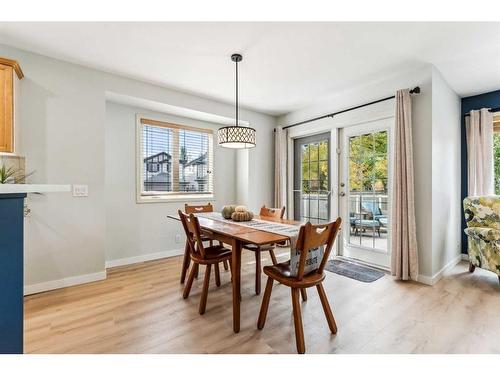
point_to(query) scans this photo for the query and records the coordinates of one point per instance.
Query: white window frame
(170, 196)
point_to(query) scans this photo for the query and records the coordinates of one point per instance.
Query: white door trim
(323, 127)
(373, 256)
(375, 112)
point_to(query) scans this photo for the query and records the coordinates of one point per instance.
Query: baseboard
(428, 280)
(63, 283)
(143, 258)
(465, 257)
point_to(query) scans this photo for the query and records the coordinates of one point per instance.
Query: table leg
(236, 266)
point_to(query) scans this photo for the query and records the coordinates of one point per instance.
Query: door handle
(342, 194)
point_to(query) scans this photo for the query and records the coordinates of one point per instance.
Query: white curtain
(404, 255)
(280, 167)
(479, 131)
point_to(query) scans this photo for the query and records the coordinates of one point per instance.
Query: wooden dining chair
(269, 212)
(310, 237)
(193, 209)
(201, 255)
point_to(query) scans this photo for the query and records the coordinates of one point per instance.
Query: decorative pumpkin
(242, 216)
(241, 209)
(227, 211)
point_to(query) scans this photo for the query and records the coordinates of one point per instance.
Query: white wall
(62, 121)
(261, 168)
(134, 230)
(446, 200)
(63, 136)
(242, 176)
(422, 139)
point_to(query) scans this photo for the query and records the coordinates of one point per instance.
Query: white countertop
(33, 188)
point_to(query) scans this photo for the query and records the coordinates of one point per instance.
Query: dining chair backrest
(273, 212)
(313, 236)
(193, 233)
(193, 209)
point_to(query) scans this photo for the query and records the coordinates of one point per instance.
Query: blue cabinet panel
(11, 272)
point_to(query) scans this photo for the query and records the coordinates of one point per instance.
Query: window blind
(175, 159)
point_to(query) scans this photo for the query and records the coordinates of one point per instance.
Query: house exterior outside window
(174, 162)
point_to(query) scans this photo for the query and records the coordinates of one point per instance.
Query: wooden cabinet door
(6, 109)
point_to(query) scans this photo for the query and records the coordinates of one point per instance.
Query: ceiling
(285, 67)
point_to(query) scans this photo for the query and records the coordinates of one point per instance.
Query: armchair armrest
(483, 233)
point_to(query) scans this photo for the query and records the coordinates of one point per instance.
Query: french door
(365, 191)
(311, 187)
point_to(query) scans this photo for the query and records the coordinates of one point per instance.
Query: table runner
(291, 231)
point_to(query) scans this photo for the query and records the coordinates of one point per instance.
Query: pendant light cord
(237, 121)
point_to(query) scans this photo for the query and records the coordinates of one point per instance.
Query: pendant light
(236, 136)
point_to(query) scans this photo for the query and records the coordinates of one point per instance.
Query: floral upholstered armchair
(482, 215)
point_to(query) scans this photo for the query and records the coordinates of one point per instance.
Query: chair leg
(187, 287)
(196, 269)
(265, 304)
(471, 267)
(185, 263)
(204, 292)
(326, 308)
(303, 294)
(226, 267)
(257, 271)
(217, 274)
(297, 319)
(273, 257)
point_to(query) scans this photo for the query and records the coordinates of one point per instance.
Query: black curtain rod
(489, 110)
(415, 90)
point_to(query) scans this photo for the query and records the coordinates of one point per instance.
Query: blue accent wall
(487, 100)
(11, 273)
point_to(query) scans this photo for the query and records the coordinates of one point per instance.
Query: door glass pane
(323, 175)
(305, 170)
(313, 170)
(313, 202)
(361, 145)
(305, 186)
(380, 143)
(368, 199)
(323, 150)
(312, 185)
(314, 153)
(305, 153)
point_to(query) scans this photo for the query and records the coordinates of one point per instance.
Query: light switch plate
(80, 190)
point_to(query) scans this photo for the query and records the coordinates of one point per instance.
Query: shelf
(33, 188)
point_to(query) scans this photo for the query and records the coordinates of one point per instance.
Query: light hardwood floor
(139, 309)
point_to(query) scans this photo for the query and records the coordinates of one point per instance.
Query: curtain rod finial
(415, 90)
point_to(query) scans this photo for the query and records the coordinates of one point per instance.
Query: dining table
(236, 236)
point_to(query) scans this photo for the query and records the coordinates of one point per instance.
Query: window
(496, 151)
(173, 162)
